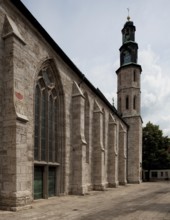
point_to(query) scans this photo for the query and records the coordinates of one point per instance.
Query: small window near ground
(154, 174)
(166, 174)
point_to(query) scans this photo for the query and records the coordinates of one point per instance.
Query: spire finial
(128, 17)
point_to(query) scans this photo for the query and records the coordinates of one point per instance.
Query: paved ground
(146, 201)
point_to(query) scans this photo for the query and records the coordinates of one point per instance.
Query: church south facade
(58, 134)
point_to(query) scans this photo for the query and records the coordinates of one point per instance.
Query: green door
(52, 181)
(38, 182)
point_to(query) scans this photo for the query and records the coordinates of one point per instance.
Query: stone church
(59, 135)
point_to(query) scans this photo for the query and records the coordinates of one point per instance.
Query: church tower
(129, 100)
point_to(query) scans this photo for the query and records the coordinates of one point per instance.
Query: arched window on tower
(120, 105)
(120, 78)
(134, 75)
(134, 102)
(127, 102)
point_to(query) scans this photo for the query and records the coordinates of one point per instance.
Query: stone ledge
(15, 209)
(21, 117)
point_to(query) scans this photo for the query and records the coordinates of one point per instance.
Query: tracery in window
(45, 144)
(49, 133)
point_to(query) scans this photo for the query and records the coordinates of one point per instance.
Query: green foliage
(155, 148)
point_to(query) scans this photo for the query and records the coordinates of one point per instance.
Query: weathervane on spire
(128, 17)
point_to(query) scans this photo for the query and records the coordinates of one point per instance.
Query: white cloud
(155, 90)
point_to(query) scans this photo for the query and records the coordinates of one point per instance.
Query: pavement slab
(145, 201)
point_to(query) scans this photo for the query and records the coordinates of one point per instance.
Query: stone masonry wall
(134, 174)
(2, 151)
(23, 51)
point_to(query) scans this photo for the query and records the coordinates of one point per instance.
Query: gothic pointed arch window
(51, 125)
(104, 134)
(104, 127)
(87, 126)
(45, 148)
(37, 122)
(43, 125)
(46, 143)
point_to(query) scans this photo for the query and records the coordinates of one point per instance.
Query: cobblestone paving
(146, 201)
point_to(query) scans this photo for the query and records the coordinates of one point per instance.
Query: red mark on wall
(19, 95)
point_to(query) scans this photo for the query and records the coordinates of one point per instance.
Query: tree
(155, 148)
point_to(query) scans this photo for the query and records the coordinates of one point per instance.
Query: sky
(89, 32)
